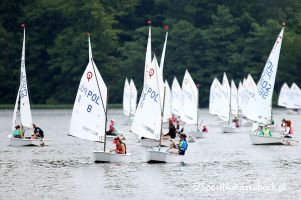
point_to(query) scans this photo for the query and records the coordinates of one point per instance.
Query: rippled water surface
(220, 166)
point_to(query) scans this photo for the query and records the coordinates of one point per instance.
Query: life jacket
(112, 128)
(266, 132)
(183, 145)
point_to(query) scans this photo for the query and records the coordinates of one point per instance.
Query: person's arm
(122, 151)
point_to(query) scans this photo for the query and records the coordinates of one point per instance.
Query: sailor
(288, 131)
(236, 122)
(37, 132)
(205, 129)
(182, 146)
(112, 129)
(120, 146)
(17, 132)
(173, 118)
(179, 127)
(266, 131)
(171, 131)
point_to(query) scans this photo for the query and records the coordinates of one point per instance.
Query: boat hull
(196, 134)
(163, 157)
(107, 157)
(154, 143)
(227, 129)
(18, 142)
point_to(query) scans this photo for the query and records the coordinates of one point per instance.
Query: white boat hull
(246, 123)
(196, 134)
(267, 140)
(227, 129)
(18, 142)
(257, 139)
(111, 137)
(162, 157)
(154, 143)
(103, 157)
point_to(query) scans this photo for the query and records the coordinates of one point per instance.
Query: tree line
(206, 37)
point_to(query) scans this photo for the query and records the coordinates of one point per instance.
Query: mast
(230, 108)
(130, 101)
(162, 113)
(197, 107)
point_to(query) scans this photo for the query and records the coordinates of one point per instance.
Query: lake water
(220, 166)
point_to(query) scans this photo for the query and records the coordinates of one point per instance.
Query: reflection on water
(221, 166)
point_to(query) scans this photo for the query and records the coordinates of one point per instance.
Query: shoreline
(52, 106)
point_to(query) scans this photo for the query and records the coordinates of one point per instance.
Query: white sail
(176, 98)
(163, 53)
(160, 80)
(148, 55)
(239, 96)
(14, 122)
(190, 95)
(266, 85)
(249, 97)
(88, 119)
(133, 99)
(215, 97)
(234, 99)
(25, 111)
(284, 96)
(147, 120)
(225, 106)
(126, 98)
(167, 103)
(295, 97)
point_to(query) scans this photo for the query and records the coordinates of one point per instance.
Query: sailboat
(215, 97)
(189, 114)
(148, 117)
(284, 96)
(126, 98)
(290, 98)
(133, 98)
(176, 98)
(230, 107)
(89, 115)
(25, 111)
(129, 98)
(295, 100)
(261, 113)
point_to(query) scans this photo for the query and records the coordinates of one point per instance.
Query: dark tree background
(207, 37)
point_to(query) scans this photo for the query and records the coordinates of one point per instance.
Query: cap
(183, 134)
(112, 120)
(115, 140)
(204, 124)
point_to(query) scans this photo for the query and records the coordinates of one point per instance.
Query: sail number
(148, 91)
(89, 94)
(264, 89)
(264, 85)
(89, 108)
(187, 94)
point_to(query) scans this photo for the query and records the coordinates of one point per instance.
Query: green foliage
(206, 37)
